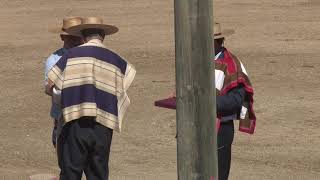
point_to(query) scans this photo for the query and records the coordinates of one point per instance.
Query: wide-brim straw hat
(67, 23)
(218, 33)
(92, 23)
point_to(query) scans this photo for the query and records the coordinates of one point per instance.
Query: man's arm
(51, 61)
(231, 103)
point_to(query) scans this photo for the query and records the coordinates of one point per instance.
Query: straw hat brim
(219, 36)
(64, 33)
(76, 30)
(223, 34)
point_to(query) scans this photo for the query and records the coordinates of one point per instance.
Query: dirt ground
(278, 41)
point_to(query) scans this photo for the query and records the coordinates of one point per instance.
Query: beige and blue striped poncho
(93, 81)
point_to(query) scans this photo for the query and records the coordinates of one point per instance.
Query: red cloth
(169, 103)
(234, 76)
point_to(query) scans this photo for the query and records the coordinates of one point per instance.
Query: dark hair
(92, 32)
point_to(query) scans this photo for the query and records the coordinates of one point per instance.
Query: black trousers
(225, 139)
(84, 146)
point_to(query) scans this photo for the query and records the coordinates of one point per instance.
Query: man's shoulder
(55, 55)
(99, 53)
(227, 51)
(231, 54)
(60, 52)
(90, 50)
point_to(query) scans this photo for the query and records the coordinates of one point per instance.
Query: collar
(219, 53)
(64, 50)
(217, 56)
(94, 42)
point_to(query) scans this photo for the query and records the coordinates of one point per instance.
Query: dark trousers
(225, 139)
(84, 146)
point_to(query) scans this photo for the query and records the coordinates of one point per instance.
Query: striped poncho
(93, 81)
(230, 73)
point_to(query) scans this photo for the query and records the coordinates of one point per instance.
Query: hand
(49, 88)
(56, 96)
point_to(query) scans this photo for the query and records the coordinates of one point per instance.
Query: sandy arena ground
(278, 41)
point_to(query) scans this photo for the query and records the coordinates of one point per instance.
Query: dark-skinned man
(234, 100)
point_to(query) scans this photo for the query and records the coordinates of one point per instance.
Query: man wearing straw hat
(94, 83)
(234, 100)
(69, 41)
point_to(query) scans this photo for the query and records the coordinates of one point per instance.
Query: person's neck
(94, 40)
(65, 46)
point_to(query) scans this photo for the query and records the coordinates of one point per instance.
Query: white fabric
(217, 56)
(243, 112)
(219, 79)
(219, 75)
(243, 69)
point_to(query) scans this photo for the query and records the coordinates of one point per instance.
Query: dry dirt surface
(278, 41)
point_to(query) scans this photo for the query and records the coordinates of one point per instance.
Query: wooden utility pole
(196, 103)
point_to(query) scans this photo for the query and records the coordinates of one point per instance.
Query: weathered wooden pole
(196, 103)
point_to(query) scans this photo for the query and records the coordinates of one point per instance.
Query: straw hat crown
(217, 33)
(66, 23)
(70, 21)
